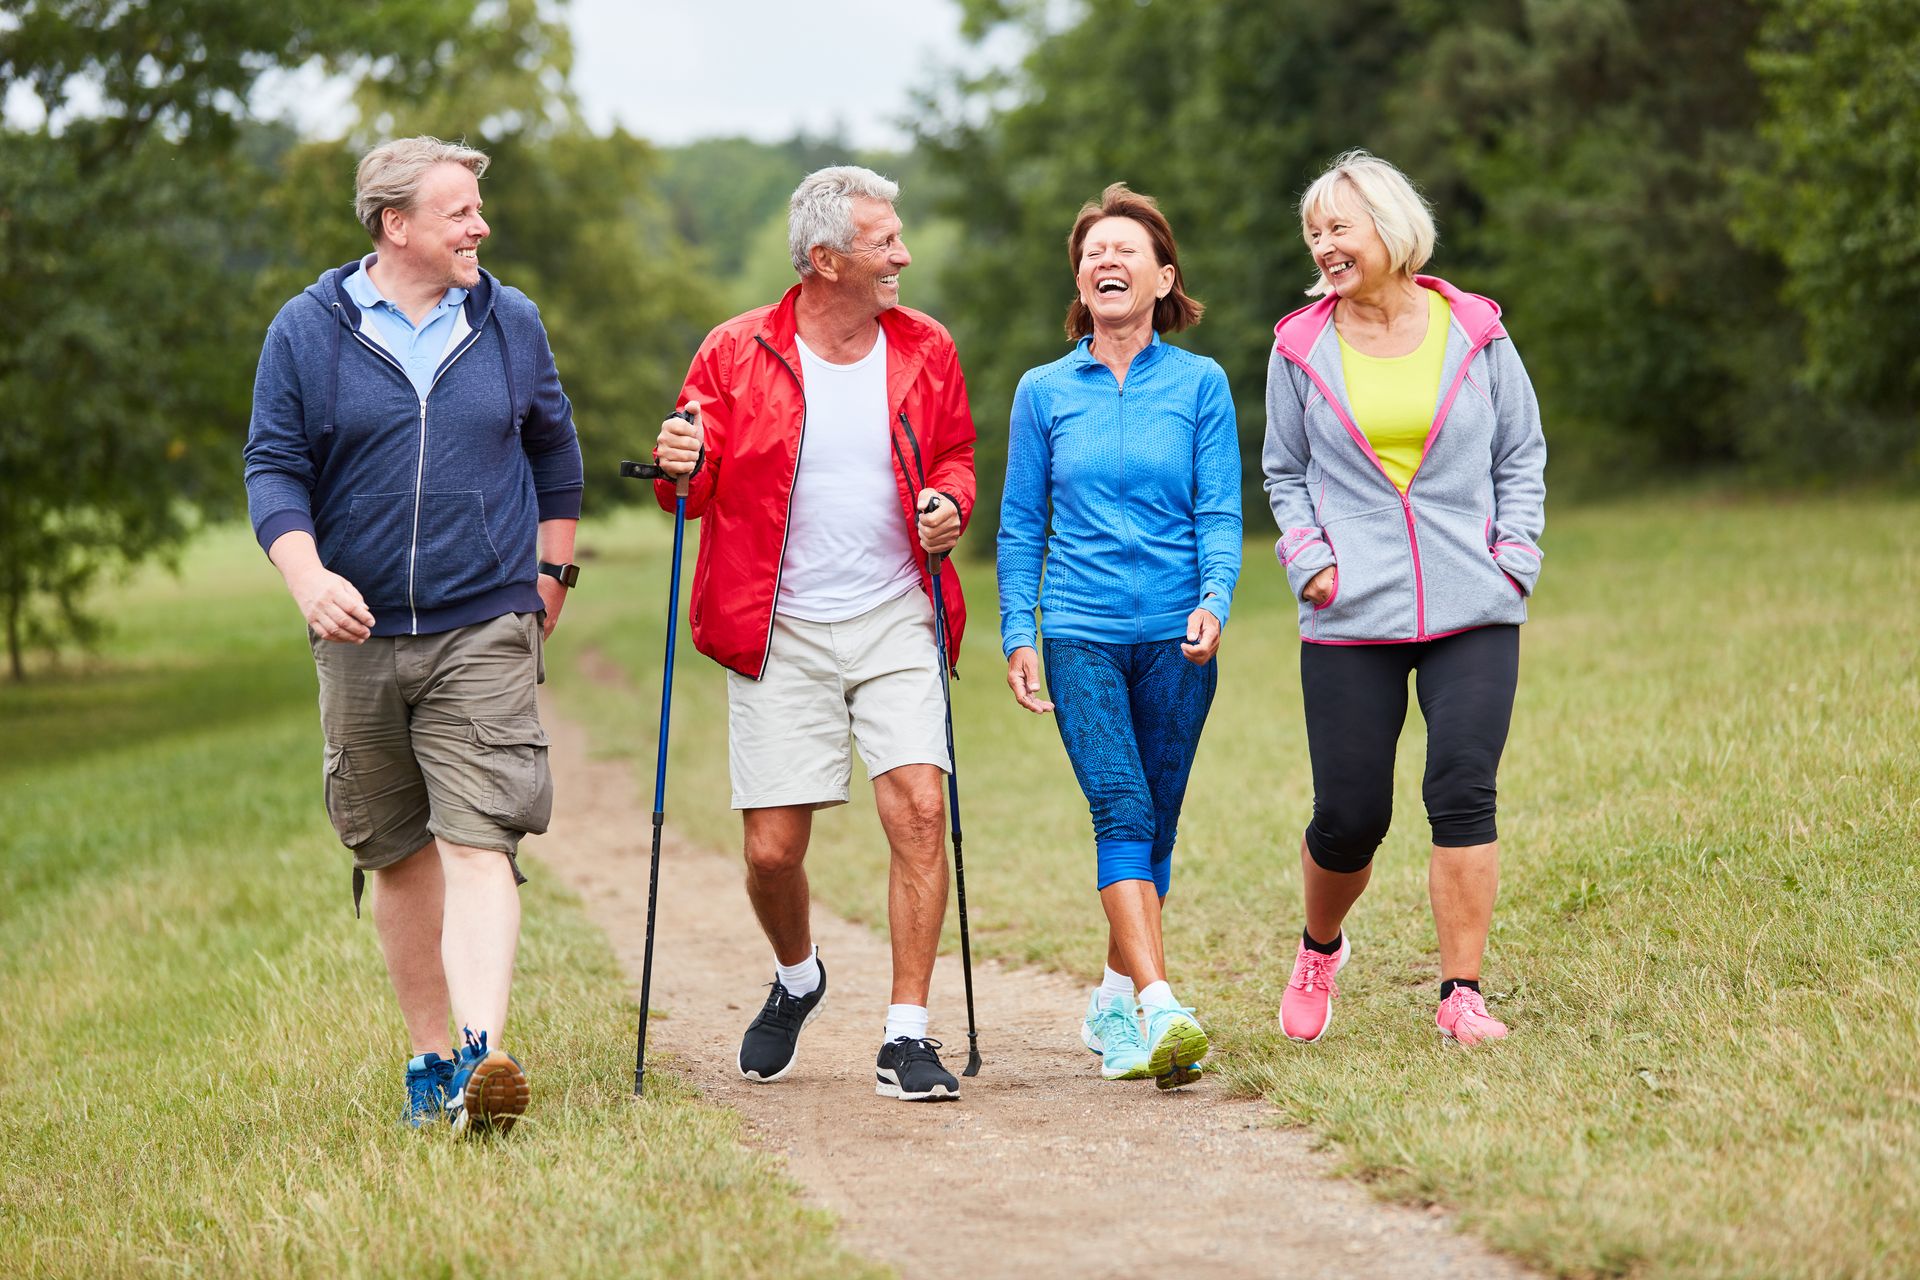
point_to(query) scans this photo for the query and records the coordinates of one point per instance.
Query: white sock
(909, 1020)
(801, 979)
(1158, 995)
(1116, 987)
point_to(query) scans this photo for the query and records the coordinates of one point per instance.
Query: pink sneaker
(1463, 1017)
(1306, 1008)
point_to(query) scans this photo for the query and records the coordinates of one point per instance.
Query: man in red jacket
(831, 452)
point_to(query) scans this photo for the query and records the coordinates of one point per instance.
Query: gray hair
(821, 211)
(1400, 213)
(390, 175)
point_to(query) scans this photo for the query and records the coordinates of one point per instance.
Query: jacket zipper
(786, 524)
(420, 465)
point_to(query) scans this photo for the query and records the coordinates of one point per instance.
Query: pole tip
(973, 1063)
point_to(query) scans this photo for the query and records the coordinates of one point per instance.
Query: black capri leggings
(1356, 702)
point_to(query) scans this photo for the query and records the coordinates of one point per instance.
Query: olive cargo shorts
(434, 735)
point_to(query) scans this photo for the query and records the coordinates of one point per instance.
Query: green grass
(1710, 916)
(199, 1049)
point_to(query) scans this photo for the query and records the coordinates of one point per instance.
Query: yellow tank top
(1394, 398)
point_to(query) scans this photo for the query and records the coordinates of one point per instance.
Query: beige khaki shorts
(435, 735)
(874, 677)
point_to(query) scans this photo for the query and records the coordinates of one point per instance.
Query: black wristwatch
(565, 574)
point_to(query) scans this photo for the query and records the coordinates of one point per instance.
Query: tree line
(1699, 215)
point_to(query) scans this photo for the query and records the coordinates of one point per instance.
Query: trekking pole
(935, 560)
(652, 471)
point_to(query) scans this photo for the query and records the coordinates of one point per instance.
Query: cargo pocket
(346, 805)
(517, 788)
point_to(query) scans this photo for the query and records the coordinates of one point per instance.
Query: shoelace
(1316, 970)
(1116, 1023)
(476, 1046)
(782, 1008)
(1464, 1002)
(921, 1050)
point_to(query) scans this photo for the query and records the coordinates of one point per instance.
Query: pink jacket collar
(1295, 335)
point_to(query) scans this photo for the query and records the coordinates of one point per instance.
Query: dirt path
(1041, 1168)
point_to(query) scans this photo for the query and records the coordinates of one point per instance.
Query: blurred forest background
(1702, 218)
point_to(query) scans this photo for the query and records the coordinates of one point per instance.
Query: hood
(326, 291)
(1295, 335)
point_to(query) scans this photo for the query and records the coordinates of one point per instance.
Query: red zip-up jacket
(753, 414)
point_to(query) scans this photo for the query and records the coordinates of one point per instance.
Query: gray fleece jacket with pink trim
(1461, 548)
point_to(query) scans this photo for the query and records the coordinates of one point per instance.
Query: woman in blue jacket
(1126, 447)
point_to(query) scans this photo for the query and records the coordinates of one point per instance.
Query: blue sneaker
(1123, 1051)
(429, 1080)
(1089, 1025)
(488, 1090)
(1175, 1045)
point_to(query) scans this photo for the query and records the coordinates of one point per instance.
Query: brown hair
(1172, 313)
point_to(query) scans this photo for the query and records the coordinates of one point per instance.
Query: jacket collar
(910, 336)
(1082, 354)
(1478, 317)
(330, 291)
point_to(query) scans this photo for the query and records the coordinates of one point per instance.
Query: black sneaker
(766, 1051)
(910, 1070)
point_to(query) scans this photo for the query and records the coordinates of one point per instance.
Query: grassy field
(200, 1057)
(1708, 942)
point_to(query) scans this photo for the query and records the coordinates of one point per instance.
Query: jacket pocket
(457, 558)
(1465, 586)
(515, 786)
(373, 547)
(346, 802)
(1373, 578)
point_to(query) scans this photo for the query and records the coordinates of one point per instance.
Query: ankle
(1449, 985)
(1311, 943)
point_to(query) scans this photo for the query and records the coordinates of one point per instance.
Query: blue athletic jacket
(1141, 488)
(431, 508)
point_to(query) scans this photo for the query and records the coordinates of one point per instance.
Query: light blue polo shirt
(418, 349)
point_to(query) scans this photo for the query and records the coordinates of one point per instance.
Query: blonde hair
(390, 175)
(1400, 213)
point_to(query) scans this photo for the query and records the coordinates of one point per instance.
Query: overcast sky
(672, 70)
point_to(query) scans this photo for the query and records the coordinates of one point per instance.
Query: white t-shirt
(848, 548)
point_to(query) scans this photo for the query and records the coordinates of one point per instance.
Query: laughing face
(1352, 258)
(1118, 275)
(444, 228)
(872, 268)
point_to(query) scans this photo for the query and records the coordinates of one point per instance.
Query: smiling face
(1346, 246)
(1118, 277)
(439, 237)
(870, 269)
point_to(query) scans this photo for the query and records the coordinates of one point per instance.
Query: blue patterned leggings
(1130, 716)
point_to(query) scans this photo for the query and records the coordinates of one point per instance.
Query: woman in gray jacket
(1404, 462)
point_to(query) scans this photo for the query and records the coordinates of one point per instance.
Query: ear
(393, 227)
(826, 263)
(1165, 286)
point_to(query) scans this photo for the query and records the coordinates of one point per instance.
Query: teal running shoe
(1123, 1051)
(429, 1081)
(1089, 1035)
(1175, 1045)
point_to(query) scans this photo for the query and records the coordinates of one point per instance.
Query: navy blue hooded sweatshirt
(430, 508)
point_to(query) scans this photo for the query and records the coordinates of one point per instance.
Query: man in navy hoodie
(412, 471)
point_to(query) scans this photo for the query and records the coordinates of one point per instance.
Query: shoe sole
(1465, 1044)
(1316, 1039)
(1172, 1061)
(781, 1074)
(891, 1089)
(1140, 1072)
(495, 1096)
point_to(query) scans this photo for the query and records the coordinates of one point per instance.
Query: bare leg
(1463, 883)
(479, 936)
(408, 902)
(1330, 895)
(776, 840)
(1134, 945)
(914, 818)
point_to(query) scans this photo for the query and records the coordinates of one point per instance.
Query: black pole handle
(630, 470)
(934, 558)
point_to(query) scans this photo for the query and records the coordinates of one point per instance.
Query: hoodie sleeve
(1519, 469)
(1302, 549)
(280, 470)
(1216, 495)
(547, 435)
(1024, 504)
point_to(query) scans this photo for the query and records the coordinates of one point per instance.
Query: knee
(919, 822)
(1344, 840)
(768, 858)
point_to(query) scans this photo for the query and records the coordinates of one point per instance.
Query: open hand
(1023, 677)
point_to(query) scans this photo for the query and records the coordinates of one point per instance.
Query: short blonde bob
(1400, 213)
(390, 175)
